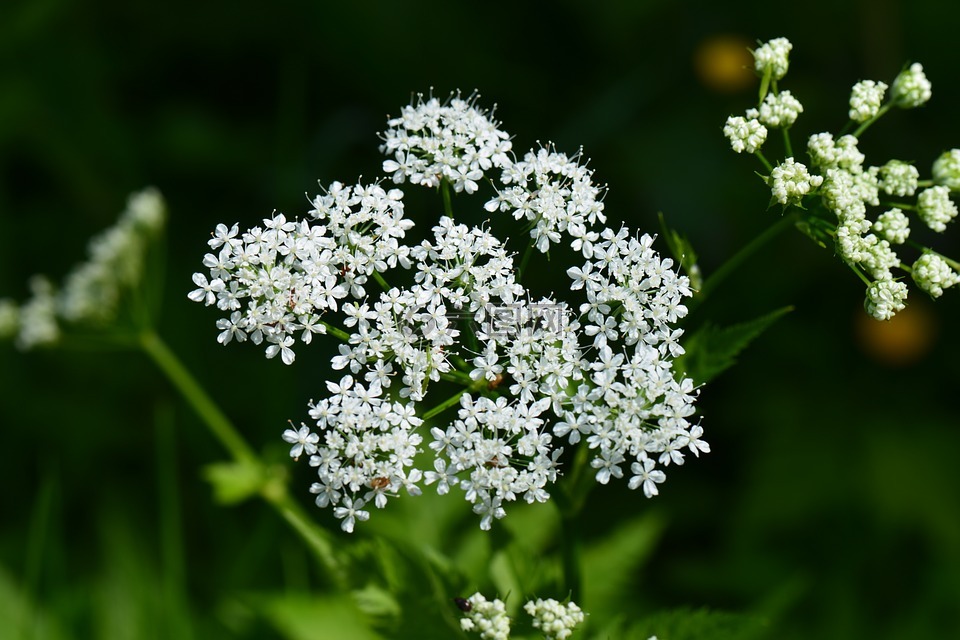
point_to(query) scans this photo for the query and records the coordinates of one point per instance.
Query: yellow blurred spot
(724, 63)
(901, 341)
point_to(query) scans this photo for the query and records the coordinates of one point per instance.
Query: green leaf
(306, 617)
(235, 482)
(699, 624)
(610, 565)
(765, 83)
(683, 252)
(711, 350)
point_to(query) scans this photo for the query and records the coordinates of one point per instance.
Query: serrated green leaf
(235, 482)
(711, 350)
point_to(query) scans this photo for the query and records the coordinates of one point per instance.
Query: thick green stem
(221, 427)
(274, 491)
(741, 256)
(317, 538)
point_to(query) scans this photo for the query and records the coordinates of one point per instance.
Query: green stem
(446, 404)
(763, 159)
(381, 281)
(863, 127)
(274, 491)
(447, 203)
(788, 148)
(221, 427)
(728, 267)
(525, 260)
(570, 499)
(317, 538)
(867, 281)
(340, 334)
(171, 529)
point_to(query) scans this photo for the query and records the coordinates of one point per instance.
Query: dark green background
(831, 495)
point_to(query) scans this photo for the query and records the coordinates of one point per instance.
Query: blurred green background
(831, 500)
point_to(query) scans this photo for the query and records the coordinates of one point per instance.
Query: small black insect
(463, 604)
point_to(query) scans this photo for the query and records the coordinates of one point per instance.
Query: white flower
(350, 513)
(946, 169)
(899, 178)
(866, 99)
(646, 476)
(487, 617)
(745, 135)
(38, 316)
(936, 208)
(843, 154)
(911, 87)
(555, 193)
(780, 111)
(885, 298)
(93, 291)
(791, 181)
(894, 225)
(303, 440)
(773, 57)
(453, 141)
(932, 274)
(555, 621)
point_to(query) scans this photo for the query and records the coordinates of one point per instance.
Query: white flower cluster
(866, 98)
(885, 298)
(780, 110)
(935, 207)
(790, 181)
(431, 142)
(556, 621)
(847, 188)
(911, 87)
(894, 225)
(745, 134)
(533, 374)
(487, 617)
(932, 274)
(773, 57)
(899, 178)
(946, 169)
(554, 193)
(91, 293)
(277, 280)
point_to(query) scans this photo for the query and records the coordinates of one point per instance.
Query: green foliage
(308, 617)
(711, 350)
(234, 482)
(698, 624)
(612, 565)
(682, 250)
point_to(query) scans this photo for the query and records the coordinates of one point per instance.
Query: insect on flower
(463, 604)
(380, 483)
